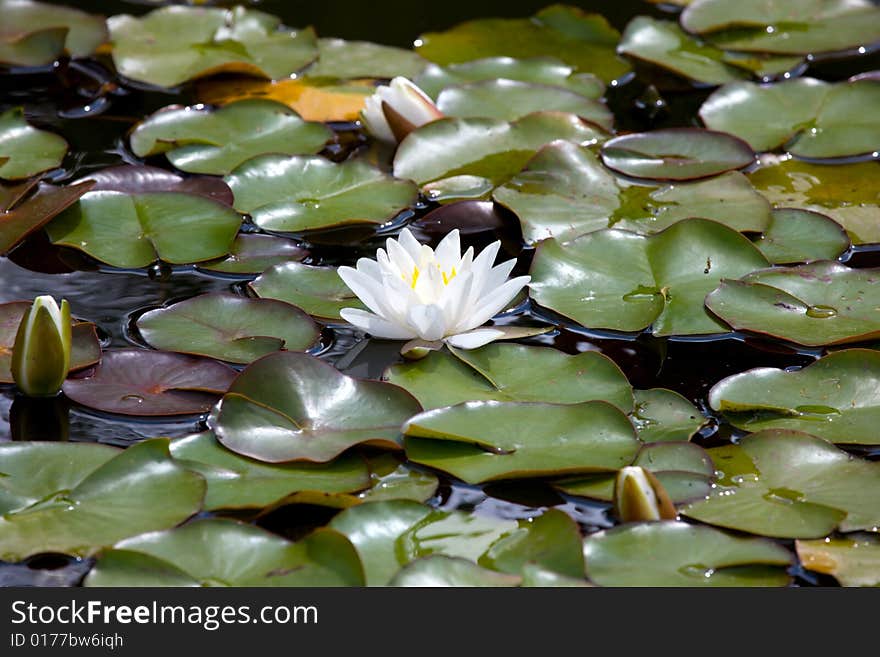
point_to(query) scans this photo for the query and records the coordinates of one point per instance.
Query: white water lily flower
(397, 109)
(415, 292)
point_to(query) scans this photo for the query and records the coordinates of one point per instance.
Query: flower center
(447, 277)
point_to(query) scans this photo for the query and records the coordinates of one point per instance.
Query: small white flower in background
(395, 110)
(41, 354)
(417, 293)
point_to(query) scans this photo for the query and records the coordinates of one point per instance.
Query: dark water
(75, 99)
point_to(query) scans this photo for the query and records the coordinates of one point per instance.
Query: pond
(691, 188)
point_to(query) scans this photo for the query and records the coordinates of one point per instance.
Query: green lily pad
(791, 485)
(293, 194)
(78, 497)
(676, 154)
(665, 44)
(536, 576)
(188, 556)
(393, 479)
(666, 278)
(785, 26)
(389, 535)
(37, 33)
(293, 407)
(509, 100)
(802, 236)
(338, 58)
(23, 218)
(252, 253)
(134, 230)
(677, 554)
(171, 45)
(809, 117)
(835, 398)
(820, 303)
(506, 372)
(85, 347)
(852, 561)
(565, 192)
(151, 383)
(439, 570)
(484, 441)
(848, 193)
(537, 70)
(237, 482)
(584, 41)
(228, 327)
(665, 416)
(317, 290)
(684, 469)
(201, 140)
(25, 150)
(485, 148)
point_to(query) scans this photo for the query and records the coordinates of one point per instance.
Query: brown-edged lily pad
(151, 383)
(676, 154)
(24, 217)
(293, 407)
(228, 327)
(137, 179)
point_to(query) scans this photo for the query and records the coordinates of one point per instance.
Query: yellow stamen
(415, 277)
(446, 279)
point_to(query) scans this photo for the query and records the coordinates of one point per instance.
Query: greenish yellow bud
(41, 355)
(639, 496)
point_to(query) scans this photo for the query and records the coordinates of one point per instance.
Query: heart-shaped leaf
(200, 140)
(37, 33)
(506, 372)
(852, 561)
(802, 236)
(584, 41)
(85, 348)
(25, 150)
(171, 45)
(848, 193)
(676, 154)
(678, 554)
(237, 482)
(484, 148)
(835, 398)
(482, 441)
(565, 192)
(134, 230)
(228, 327)
(791, 485)
(784, 26)
(537, 70)
(293, 407)
(188, 556)
(509, 100)
(26, 217)
(663, 285)
(338, 58)
(252, 253)
(317, 290)
(76, 498)
(815, 304)
(665, 416)
(142, 382)
(294, 194)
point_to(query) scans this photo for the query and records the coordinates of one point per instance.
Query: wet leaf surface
(852, 561)
(37, 33)
(26, 150)
(317, 290)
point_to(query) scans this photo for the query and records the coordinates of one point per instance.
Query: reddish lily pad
(293, 407)
(137, 179)
(85, 348)
(26, 217)
(252, 253)
(676, 154)
(151, 383)
(228, 327)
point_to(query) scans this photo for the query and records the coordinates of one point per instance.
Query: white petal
(368, 290)
(497, 276)
(448, 252)
(410, 243)
(374, 120)
(492, 303)
(400, 257)
(427, 321)
(475, 338)
(375, 325)
(455, 297)
(482, 266)
(411, 102)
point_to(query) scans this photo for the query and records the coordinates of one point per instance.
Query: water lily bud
(41, 355)
(395, 110)
(638, 496)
